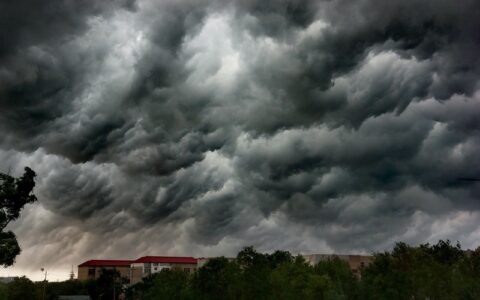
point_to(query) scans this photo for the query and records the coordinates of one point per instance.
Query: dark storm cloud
(307, 125)
(26, 23)
(40, 75)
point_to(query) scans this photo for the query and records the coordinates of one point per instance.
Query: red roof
(167, 259)
(106, 263)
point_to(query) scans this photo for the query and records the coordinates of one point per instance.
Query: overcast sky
(198, 127)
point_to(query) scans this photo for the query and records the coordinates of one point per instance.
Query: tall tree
(217, 279)
(21, 288)
(109, 285)
(169, 284)
(14, 194)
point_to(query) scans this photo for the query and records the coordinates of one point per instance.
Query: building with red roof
(167, 259)
(106, 263)
(91, 269)
(136, 270)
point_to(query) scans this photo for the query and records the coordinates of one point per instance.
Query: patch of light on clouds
(213, 60)
(378, 67)
(44, 230)
(121, 41)
(313, 31)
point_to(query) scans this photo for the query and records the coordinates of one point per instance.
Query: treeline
(440, 271)
(22, 288)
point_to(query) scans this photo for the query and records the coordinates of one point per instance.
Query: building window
(91, 272)
(147, 268)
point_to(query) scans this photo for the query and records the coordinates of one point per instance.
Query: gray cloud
(186, 127)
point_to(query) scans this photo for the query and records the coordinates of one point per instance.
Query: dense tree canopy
(14, 194)
(440, 271)
(109, 285)
(436, 272)
(21, 289)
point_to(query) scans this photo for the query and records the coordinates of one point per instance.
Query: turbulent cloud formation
(198, 127)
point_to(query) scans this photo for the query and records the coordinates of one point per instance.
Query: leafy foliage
(440, 271)
(108, 284)
(20, 289)
(3, 291)
(253, 275)
(15, 193)
(9, 248)
(169, 284)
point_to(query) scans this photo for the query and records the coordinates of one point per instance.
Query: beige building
(91, 269)
(354, 261)
(136, 270)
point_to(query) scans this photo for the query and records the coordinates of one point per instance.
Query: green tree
(387, 278)
(55, 289)
(293, 280)
(279, 257)
(3, 291)
(14, 194)
(440, 271)
(21, 288)
(217, 279)
(138, 290)
(470, 269)
(108, 284)
(255, 270)
(338, 280)
(169, 284)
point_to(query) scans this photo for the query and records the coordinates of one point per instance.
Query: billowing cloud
(198, 127)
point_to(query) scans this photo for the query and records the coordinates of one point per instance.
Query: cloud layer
(198, 127)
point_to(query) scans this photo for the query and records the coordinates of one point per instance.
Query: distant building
(91, 269)
(148, 265)
(7, 279)
(136, 270)
(354, 261)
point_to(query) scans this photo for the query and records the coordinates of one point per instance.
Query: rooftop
(106, 263)
(167, 259)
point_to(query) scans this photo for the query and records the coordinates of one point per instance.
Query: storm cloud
(198, 127)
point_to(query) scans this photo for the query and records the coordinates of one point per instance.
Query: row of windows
(91, 271)
(160, 264)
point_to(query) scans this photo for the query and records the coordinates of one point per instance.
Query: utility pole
(44, 282)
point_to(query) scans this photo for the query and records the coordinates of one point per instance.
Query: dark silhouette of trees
(217, 279)
(253, 275)
(21, 288)
(108, 285)
(3, 291)
(14, 194)
(169, 284)
(437, 272)
(440, 271)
